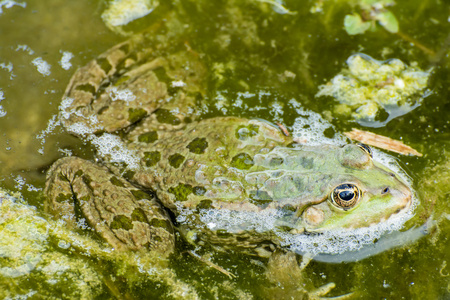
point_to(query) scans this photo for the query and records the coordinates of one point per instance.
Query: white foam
(65, 60)
(276, 110)
(309, 127)
(178, 83)
(42, 66)
(20, 182)
(8, 67)
(10, 3)
(124, 94)
(2, 97)
(25, 48)
(111, 146)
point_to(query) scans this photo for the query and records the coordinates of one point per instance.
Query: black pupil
(346, 195)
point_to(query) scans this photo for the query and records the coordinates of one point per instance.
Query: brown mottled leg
(82, 192)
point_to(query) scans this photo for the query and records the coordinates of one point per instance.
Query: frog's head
(329, 187)
(361, 192)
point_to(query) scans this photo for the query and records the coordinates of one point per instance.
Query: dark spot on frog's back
(139, 195)
(148, 137)
(166, 117)
(139, 215)
(136, 114)
(276, 161)
(86, 179)
(204, 204)
(161, 223)
(181, 191)
(176, 160)
(63, 198)
(242, 161)
(151, 158)
(128, 175)
(298, 182)
(121, 222)
(198, 145)
(116, 181)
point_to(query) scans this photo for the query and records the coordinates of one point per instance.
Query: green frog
(167, 171)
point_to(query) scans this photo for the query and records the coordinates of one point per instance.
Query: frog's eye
(366, 149)
(346, 195)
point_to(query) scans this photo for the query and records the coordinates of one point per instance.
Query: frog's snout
(403, 195)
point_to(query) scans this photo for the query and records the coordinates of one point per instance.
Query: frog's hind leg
(129, 82)
(86, 194)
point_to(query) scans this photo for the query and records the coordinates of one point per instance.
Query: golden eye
(366, 149)
(346, 195)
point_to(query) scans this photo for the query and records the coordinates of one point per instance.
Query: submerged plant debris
(374, 92)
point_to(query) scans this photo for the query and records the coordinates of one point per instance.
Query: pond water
(266, 59)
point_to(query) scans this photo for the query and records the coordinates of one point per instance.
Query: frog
(143, 93)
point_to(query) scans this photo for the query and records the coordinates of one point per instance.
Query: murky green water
(254, 49)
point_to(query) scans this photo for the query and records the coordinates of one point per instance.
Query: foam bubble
(25, 48)
(65, 60)
(8, 67)
(125, 95)
(42, 66)
(309, 128)
(2, 112)
(111, 146)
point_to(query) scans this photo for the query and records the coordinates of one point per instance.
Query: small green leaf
(388, 21)
(353, 24)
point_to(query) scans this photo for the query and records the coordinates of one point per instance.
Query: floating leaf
(381, 141)
(388, 21)
(353, 24)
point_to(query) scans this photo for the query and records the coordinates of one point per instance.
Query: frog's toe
(322, 291)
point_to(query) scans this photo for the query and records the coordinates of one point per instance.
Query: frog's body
(227, 163)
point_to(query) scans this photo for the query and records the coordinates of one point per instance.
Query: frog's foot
(284, 272)
(83, 193)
